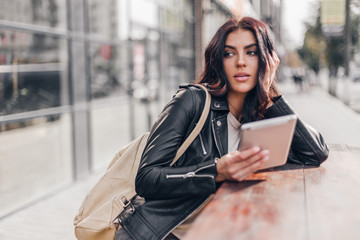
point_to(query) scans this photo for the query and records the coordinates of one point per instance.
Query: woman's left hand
(271, 67)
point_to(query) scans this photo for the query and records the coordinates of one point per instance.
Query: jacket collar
(219, 123)
(219, 104)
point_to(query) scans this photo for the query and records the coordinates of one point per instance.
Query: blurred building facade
(80, 79)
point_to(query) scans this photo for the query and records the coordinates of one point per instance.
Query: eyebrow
(246, 47)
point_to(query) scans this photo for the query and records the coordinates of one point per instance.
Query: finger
(251, 168)
(263, 155)
(271, 67)
(244, 163)
(275, 61)
(276, 58)
(271, 59)
(268, 76)
(244, 173)
(233, 164)
(248, 152)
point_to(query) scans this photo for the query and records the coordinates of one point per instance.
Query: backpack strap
(125, 200)
(195, 132)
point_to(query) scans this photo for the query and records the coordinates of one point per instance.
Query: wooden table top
(288, 202)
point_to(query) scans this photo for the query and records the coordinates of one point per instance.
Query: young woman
(240, 68)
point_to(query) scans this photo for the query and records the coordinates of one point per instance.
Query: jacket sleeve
(155, 178)
(308, 146)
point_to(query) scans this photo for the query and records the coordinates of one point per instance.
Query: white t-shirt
(233, 133)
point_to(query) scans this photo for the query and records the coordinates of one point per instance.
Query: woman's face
(241, 61)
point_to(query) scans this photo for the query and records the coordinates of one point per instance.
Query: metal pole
(348, 38)
(131, 76)
(347, 97)
(198, 12)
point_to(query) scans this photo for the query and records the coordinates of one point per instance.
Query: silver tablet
(274, 134)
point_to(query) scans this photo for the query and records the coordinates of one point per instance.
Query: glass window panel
(185, 52)
(110, 128)
(178, 43)
(145, 114)
(34, 160)
(110, 109)
(48, 13)
(33, 72)
(112, 123)
(108, 70)
(144, 12)
(103, 17)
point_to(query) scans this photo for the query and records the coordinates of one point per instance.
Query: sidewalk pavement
(51, 218)
(337, 122)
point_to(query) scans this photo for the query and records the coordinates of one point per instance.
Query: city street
(349, 92)
(336, 121)
(81, 79)
(51, 218)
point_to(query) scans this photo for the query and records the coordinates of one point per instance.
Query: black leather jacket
(173, 193)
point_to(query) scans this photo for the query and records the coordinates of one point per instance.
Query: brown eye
(228, 54)
(252, 53)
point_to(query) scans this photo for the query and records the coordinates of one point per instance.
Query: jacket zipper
(192, 174)
(216, 143)
(202, 145)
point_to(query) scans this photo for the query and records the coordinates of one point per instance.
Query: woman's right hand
(238, 165)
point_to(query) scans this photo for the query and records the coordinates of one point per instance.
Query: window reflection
(34, 161)
(133, 55)
(103, 17)
(178, 44)
(49, 13)
(32, 72)
(105, 71)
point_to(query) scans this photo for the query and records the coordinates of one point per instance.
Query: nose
(240, 61)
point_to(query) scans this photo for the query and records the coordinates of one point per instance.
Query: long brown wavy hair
(214, 77)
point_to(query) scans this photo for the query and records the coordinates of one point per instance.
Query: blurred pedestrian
(240, 69)
(298, 80)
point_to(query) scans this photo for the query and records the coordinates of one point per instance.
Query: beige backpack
(107, 199)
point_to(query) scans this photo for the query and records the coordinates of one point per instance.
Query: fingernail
(265, 151)
(266, 158)
(256, 149)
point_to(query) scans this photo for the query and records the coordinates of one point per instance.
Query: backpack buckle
(124, 201)
(128, 210)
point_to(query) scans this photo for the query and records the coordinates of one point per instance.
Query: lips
(242, 76)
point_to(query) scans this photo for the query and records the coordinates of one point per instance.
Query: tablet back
(274, 134)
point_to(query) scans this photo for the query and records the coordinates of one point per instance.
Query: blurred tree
(318, 50)
(312, 48)
(355, 30)
(293, 60)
